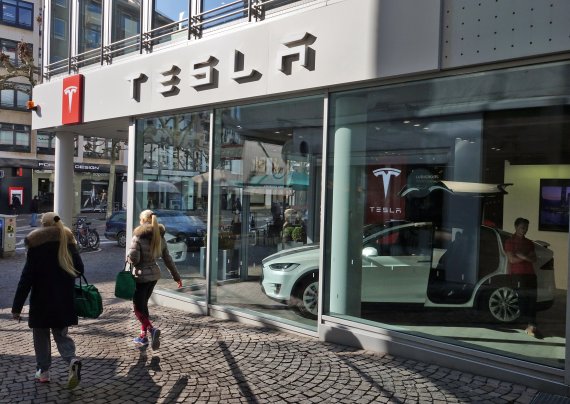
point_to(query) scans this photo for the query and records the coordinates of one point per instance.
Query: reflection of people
(147, 245)
(34, 209)
(521, 255)
(52, 263)
(16, 203)
(92, 197)
(150, 203)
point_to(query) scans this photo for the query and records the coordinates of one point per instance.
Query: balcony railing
(237, 12)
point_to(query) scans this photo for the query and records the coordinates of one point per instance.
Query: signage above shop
(204, 75)
(72, 100)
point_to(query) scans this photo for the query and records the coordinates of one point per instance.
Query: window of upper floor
(106, 30)
(10, 47)
(15, 99)
(17, 13)
(14, 137)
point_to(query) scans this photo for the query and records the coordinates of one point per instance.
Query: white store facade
(357, 139)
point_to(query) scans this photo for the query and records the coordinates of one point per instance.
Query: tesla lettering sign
(72, 100)
(203, 73)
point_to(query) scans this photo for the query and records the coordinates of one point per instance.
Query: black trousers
(526, 286)
(141, 297)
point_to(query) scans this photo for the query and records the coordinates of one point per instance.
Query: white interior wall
(523, 200)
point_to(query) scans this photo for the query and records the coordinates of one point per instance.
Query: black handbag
(125, 283)
(88, 302)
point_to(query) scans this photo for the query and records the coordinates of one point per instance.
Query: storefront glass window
(266, 167)
(428, 182)
(172, 160)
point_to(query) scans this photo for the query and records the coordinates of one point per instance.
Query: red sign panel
(72, 100)
(383, 201)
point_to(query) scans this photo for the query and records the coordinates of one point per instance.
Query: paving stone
(205, 360)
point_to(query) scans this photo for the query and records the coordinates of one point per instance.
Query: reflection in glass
(165, 14)
(125, 25)
(423, 207)
(89, 25)
(59, 41)
(266, 200)
(171, 162)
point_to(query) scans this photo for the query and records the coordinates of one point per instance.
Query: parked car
(417, 263)
(115, 229)
(188, 228)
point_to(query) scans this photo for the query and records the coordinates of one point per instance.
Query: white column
(348, 206)
(131, 177)
(63, 177)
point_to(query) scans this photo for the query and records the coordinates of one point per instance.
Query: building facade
(349, 169)
(27, 156)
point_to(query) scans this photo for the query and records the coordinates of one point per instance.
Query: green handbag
(88, 302)
(125, 283)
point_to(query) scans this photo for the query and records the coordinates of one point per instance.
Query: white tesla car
(417, 263)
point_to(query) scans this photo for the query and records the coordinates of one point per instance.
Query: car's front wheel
(306, 297)
(122, 239)
(503, 304)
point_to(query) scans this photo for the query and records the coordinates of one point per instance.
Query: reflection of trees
(102, 148)
(177, 142)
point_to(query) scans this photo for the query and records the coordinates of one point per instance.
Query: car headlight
(283, 267)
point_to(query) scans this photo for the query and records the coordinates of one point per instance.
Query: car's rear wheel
(306, 297)
(122, 239)
(503, 304)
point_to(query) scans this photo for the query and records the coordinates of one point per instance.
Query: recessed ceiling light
(416, 124)
(406, 121)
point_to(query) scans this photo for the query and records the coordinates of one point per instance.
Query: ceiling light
(406, 121)
(416, 124)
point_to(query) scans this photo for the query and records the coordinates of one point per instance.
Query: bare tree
(25, 69)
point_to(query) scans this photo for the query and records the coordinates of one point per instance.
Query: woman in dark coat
(52, 264)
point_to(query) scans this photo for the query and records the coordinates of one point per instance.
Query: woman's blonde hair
(148, 216)
(63, 256)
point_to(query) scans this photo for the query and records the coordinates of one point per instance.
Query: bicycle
(87, 238)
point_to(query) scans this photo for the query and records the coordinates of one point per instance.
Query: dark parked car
(189, 229)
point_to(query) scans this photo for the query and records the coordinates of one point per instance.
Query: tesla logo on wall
(72, 100)
(386, 174)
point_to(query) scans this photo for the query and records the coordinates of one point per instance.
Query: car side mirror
(369, 252)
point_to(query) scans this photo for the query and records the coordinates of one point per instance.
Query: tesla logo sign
(72, 100)
(386, 174)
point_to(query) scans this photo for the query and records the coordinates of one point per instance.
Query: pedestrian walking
(16, 204)
(34, 210)
(52, 264)
(147, 245)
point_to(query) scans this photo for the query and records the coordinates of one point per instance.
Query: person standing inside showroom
(521, 256)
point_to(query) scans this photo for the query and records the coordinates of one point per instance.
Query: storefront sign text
(203, 74)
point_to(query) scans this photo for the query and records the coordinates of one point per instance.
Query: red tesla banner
(383, 201)
(72, 100)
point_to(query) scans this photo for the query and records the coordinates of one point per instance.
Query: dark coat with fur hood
(52, 294)
(146, 269)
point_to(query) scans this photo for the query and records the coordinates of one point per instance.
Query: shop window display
(429, 179)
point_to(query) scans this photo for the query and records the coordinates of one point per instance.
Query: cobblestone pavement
(203, 359)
